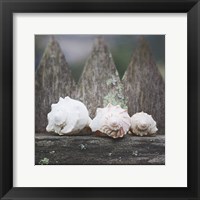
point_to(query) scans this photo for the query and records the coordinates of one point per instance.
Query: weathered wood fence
(141, 88)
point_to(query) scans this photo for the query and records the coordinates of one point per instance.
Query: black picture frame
(8, 7)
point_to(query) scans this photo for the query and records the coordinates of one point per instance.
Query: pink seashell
(112, 121)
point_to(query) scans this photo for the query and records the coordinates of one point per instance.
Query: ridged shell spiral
(143, 124)
(112, 121)
(67, 116)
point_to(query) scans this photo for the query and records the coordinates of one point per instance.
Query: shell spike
(53, 106)
(112, 121)
(67, 98)
(61, 99)
(67, 116)
(109, 105)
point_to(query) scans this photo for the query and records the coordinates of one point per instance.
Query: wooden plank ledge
(92, 150)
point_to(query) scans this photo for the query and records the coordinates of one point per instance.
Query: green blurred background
(77, 48)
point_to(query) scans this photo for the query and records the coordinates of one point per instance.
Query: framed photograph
(99, 99)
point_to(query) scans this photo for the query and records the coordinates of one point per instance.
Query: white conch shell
(111, 120)
(143, 124)
(67, 116)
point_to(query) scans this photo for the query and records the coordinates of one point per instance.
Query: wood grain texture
(53, 79)
(144, 85)
(100, 83)
(93, 150)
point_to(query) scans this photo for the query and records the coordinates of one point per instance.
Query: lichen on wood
(93, 150)
(144, 85)
(100, 83)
